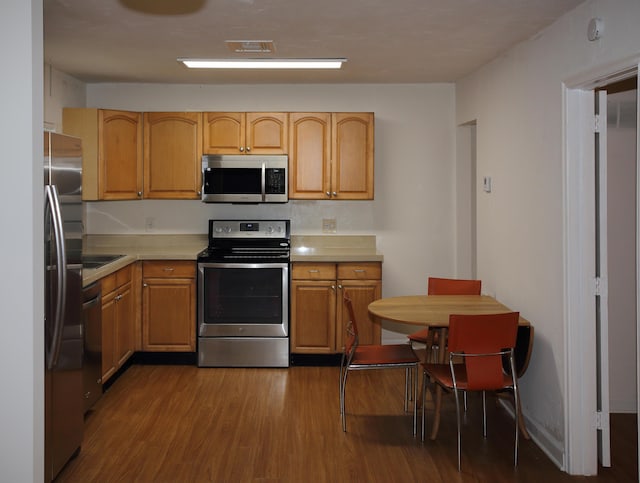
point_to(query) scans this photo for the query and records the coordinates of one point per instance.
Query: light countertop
(311, 248)
(334, 248)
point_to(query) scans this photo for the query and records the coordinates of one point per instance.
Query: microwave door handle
(264, 182)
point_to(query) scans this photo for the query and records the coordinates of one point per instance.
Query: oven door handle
(264, 182)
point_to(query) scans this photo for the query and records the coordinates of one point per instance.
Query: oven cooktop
(247, 240)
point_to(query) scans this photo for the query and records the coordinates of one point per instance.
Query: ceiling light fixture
(263, 63)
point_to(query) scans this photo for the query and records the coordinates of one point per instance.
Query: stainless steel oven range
(243, 294)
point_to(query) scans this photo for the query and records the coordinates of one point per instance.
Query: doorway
(466, 189)
(581, 437)
(621, 192)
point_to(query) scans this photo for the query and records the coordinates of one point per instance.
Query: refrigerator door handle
(51, 199)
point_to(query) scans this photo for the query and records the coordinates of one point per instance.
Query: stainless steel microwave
(245, 178)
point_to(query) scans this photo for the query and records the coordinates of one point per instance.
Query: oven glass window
(243, 295)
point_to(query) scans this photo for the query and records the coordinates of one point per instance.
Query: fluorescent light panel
(263, 63)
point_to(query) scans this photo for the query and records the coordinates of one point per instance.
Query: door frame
(580, 405)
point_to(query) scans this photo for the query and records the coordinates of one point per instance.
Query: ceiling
(385, 41)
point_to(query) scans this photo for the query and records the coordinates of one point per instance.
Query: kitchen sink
(97, 261)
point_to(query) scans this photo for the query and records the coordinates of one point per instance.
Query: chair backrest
(483, 334)
(352, 339)
(453, 286)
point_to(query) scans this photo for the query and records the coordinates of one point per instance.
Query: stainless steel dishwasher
(92, 362)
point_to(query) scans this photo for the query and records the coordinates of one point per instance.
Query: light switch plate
(329, 225)
(486, 184)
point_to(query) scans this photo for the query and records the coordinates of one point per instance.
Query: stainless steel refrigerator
(63, 228)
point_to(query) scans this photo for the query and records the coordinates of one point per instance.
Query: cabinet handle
(248, 148)
(314, 271)
(118, 298)
(335, 194)
(340, 286)
(242, 149)
(145, 285)
(140, 193)
(359, 270)
(329, 194)
(168, 269)
(199, 193)
(333, 287)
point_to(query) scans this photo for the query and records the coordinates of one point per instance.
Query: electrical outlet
(329, 225)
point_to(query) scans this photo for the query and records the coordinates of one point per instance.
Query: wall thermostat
(595, 29)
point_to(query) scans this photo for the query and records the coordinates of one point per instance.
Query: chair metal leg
(415, 400)
(424, 392)
(458, 421)
(517, 419)
(343, 383)
(484, 413)
(407, 378)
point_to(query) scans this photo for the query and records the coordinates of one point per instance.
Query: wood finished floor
(184, 424)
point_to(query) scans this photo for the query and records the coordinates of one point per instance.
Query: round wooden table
(433, 311)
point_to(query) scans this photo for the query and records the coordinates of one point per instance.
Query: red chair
(481, 341)
(391, 356)
(443, 286)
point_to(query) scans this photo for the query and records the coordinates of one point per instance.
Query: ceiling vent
(250, 46)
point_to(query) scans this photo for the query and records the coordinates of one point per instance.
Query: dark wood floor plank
(187, 424)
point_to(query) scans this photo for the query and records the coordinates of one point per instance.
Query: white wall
(518, 105)
(621, 245)
(21, 287)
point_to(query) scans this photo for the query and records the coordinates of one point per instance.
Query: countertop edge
(90, 276)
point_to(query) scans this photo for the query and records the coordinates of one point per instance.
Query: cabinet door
(125, 337)
(108, 335)
(309, 155)
(266, 132)
(172, 155)
(224, 133)
(119, 155)
(352, 155)
(169, 314)
(313, 317)
(362, 293)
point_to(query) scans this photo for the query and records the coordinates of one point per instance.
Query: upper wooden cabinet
(245, 132)
(331, 156)
(172, 155)
(309, 155)
(112, 151)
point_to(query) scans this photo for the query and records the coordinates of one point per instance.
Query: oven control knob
(218, 229)
(269, 229)
(227, 229)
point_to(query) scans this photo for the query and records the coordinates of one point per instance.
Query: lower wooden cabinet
(168, 306)
(118, 320)
(318, 315)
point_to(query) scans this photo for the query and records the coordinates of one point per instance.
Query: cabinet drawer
(124, 275)
(359, 271)
(169, 268)
(313, 271)
(108, 283)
